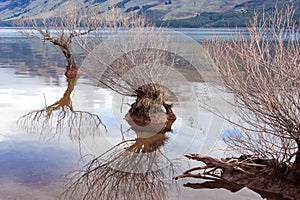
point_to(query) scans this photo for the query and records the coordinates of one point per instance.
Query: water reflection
(132, 169)
(32, 58)
(137, 165)
(21, 55)
(61, 118)
(152, 141)
(33, 162)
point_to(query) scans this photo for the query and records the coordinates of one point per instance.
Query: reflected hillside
(31, 58)
(27, 59)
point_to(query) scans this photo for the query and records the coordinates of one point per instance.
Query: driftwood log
(233, 174)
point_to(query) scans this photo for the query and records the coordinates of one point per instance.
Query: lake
(82, 137)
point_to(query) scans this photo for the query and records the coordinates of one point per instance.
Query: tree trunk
(148, 107)
(72, 71)
(294, 174)
(171, 115)
(70, 59)
(139, 114)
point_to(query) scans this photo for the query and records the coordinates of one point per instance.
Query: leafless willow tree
(60, 118)
(73, 20)
(132, 169)
(263, 73)
(136, 62)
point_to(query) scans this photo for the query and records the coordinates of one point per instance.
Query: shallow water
(37, 153)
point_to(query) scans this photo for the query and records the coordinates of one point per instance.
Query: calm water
(41, 149)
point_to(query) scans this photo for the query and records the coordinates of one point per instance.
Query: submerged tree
(130, 64)
(141, 62)
(74, 20)
(137, 62)
(263, 73)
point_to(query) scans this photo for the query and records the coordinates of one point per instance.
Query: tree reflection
(132, 169)
(60, 117)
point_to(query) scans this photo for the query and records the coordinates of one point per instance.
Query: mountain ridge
(173, 13)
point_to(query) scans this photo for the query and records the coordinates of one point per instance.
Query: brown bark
(150, 100)
(139, 114)
(294, 173)
(169, 112)
(72, 70)
(69, 57)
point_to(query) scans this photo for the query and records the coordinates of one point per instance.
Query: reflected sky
(34, 162)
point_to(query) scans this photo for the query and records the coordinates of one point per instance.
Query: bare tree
(73, 20)
(133, 51)
(262, 70)
(135, 62)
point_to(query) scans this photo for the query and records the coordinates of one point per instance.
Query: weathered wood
(259, 175)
